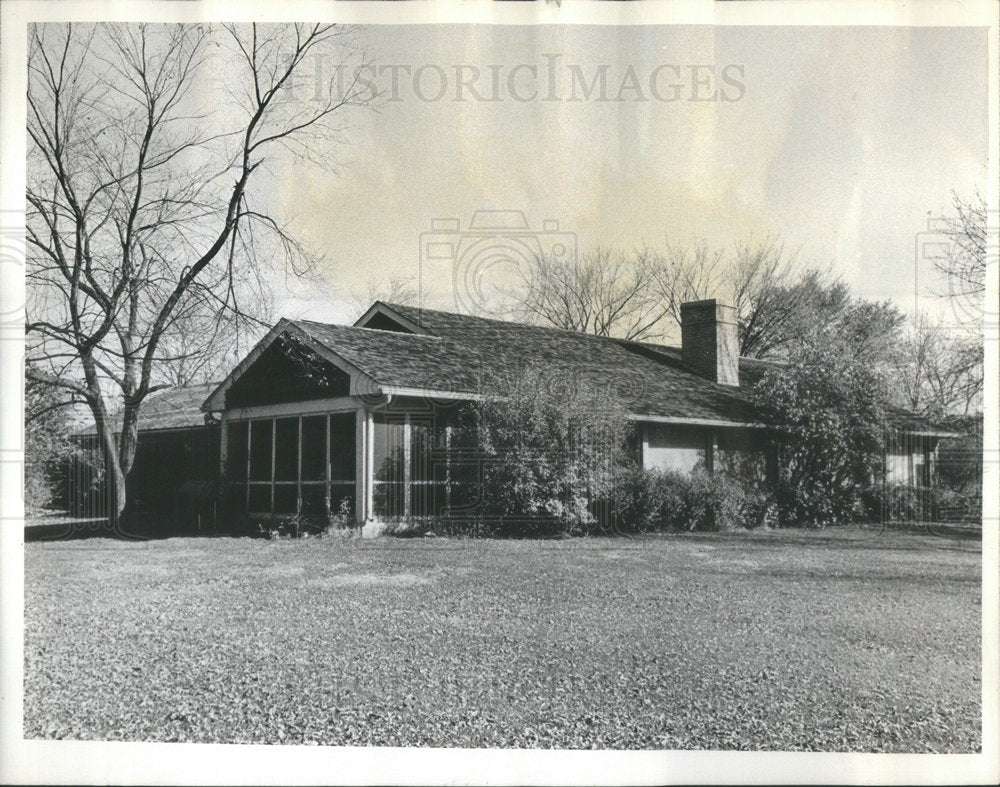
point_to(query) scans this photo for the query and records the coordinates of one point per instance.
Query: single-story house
(360, 418)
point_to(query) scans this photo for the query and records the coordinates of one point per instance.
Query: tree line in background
(781, 306)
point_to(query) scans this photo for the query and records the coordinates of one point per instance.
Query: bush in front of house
(829, 406)
(547, 446)
(907, 503)
(647, 501)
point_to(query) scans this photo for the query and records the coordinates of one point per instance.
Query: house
(361, 419)
(176, 458)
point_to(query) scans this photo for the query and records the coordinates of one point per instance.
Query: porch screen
(410, 466)
(293, 464)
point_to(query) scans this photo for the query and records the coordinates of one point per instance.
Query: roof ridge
(513, 323)
(363, 328)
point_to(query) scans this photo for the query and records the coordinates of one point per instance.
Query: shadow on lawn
(893, 536)
(129, 528)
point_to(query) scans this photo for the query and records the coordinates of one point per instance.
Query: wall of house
(166, 461)
(675, 447)
(910, 460)
(173, 470)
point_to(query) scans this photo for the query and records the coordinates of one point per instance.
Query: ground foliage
(844, 640)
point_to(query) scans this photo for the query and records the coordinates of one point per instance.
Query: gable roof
(451, 353)
(443, 354)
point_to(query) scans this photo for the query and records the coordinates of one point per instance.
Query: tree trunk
(114, 476)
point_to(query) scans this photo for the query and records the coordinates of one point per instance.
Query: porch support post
(407, 454)
(711, 448)
(370, 465)
(361, 507)
(223, 448)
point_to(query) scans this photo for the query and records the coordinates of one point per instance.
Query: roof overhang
(362, 384)
(430, 393)
(927, 433)
(718, 422)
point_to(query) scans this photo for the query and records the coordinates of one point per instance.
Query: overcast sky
(839, 141)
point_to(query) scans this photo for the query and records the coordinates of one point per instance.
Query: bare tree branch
(146, 236)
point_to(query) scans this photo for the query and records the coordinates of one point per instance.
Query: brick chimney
(710, 341)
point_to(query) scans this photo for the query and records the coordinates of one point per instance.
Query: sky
(841, 142)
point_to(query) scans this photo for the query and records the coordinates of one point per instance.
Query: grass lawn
(841, 640)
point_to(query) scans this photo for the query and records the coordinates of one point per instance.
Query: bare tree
(140, 211)
(603, 292)
(964, 262)
(938, 372)
(393, 287)
(759, 280)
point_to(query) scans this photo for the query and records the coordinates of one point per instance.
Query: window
(314, 448)
(293, 464)
(236, 452)
(342, 463)
(261, 435)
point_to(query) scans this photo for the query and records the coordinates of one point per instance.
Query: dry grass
(846, 640)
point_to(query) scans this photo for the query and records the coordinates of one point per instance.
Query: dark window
(285, 498)
(286, 449)
(342, 436)
(338, 494)
(260, 451)
(260, 498)
(237, 497)
(314, 448)
(314, 499)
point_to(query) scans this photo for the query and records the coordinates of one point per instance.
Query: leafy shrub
(829, 407)
(650, 501)
(342, 520)
(907, 503)
(548, 446)
(758, 509)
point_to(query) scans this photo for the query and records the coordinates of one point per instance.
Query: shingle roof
(649, 378)
(906, 421)
(172, 408)
(459, 349)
